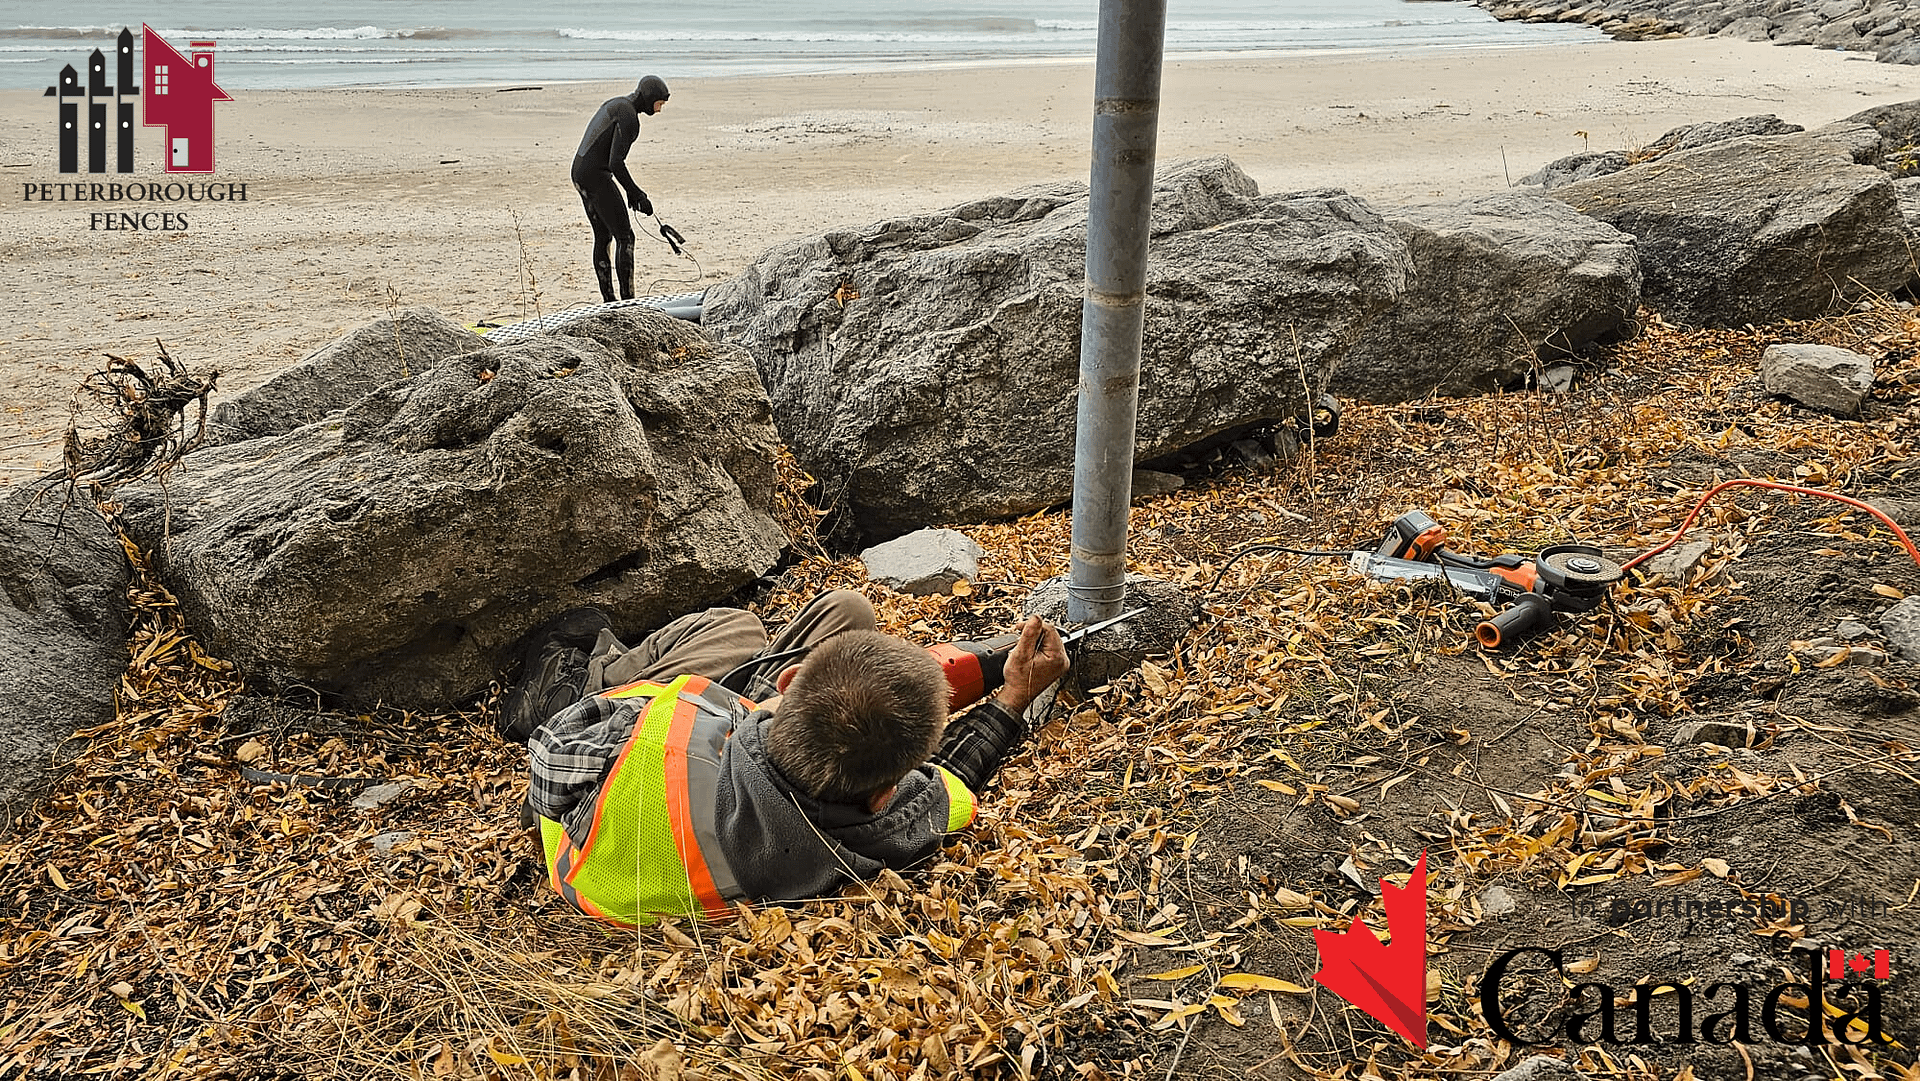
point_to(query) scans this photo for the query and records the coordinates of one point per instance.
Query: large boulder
(63, 634)
(340, 373)
(1897, 124)
(393, 550)
(1500, 282)
(1591, 164)
(1577, 167)
(1708, 132)
(1755, 229)
(925, 369)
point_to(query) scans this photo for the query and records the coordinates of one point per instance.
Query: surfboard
(679, 305)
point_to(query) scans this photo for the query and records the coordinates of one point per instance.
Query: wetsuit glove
(975, 745)
(639, 201)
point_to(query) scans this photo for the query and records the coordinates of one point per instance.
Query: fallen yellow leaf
(1248, 981)
(1175, 973)
(505, 1058)
(1139, 939)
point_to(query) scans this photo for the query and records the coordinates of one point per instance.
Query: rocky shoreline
(1888, 29)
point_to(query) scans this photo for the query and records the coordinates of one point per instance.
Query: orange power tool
(977, 669)
(1571, 578)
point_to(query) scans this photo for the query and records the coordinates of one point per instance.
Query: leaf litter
(1154, 867)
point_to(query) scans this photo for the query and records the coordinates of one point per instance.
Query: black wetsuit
(600, 171)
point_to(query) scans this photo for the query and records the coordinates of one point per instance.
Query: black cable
(671, 237)
(751, 662)
(1310, 553)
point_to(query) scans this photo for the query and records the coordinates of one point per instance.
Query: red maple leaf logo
(1387, 981)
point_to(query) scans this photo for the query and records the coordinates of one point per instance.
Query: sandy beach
(358, 200)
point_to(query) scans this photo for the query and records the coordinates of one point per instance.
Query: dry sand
(358, 199)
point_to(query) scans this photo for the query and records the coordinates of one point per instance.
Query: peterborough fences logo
(179, 97)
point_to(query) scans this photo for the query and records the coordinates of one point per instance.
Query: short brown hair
(864, 710)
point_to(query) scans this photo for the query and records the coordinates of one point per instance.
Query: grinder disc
(1578, 568)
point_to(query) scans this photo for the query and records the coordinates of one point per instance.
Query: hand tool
(977, 669)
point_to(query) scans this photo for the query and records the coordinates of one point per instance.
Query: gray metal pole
(1126, 122)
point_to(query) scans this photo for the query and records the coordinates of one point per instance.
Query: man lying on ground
(658, 791)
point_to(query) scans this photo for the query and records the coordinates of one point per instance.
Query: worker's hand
(1037, 660)
(638, 200)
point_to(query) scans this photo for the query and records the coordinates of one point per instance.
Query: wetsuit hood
(651, 92)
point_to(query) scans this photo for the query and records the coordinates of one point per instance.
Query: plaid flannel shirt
(570, 755)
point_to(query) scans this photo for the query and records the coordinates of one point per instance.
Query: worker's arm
(626, 128)
(977, 743)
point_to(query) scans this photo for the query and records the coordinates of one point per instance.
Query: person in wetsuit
(598, 164)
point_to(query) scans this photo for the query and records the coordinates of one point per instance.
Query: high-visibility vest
(651, 848)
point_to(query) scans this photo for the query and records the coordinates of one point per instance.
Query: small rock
(924, 562)
(1860, 656)
(1679, 562)
(1498, 902)
(385, 842)
(380, 795)
(1251, 452)
(1901, 625)
(1724, 733)
(1558, 378)
(1851, 630)
(1822, 376)
(1148, 483)
(1541, 1068)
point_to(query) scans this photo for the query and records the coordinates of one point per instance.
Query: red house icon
(180, 95)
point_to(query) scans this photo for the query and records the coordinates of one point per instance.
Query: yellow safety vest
(651, 847)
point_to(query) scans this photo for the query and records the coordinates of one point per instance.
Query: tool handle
(973, 669)
(1528, 613)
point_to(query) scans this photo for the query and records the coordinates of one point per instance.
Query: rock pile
(1889, 29)
(925, 369)
(63, 634)
(394, 549)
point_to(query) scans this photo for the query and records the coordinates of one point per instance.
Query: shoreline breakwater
(1887, 29)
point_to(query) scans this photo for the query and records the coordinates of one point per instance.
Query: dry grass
(170, 920)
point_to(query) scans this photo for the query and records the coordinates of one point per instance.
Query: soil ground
(1142, 894)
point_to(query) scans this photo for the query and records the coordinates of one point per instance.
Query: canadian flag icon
(1839, 964)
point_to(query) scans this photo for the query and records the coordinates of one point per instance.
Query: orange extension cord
(1749, 483)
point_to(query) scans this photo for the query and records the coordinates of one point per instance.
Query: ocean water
(332, 43)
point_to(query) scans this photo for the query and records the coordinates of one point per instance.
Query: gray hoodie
(784, 845)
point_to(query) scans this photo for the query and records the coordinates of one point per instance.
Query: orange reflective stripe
(680, 807)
